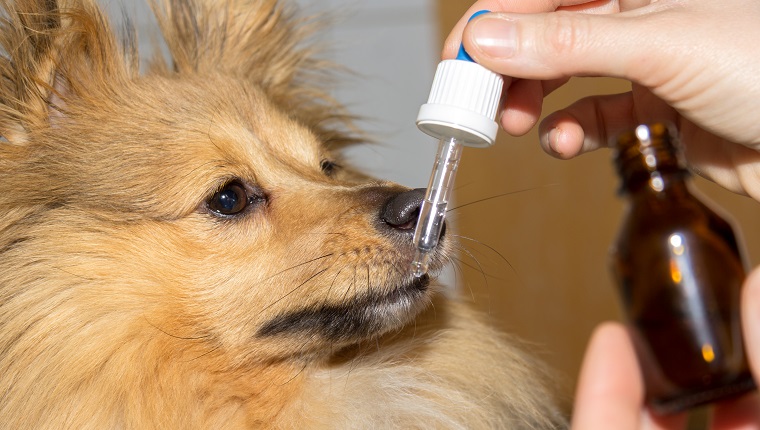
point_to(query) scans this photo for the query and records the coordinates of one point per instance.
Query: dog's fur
(128, 301)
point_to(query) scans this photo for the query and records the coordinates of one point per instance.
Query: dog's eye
(231, 199)
(328, 166)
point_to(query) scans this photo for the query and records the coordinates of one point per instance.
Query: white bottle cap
(463, 103)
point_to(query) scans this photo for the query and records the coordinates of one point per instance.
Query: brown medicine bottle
(679, 268)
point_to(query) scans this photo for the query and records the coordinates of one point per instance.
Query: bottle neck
(649, 160)
(659, 182)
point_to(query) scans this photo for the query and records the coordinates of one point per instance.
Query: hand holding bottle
(611, 391)
(691, 62)
(679, 269)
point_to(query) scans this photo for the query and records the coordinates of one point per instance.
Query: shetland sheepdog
(181, 246)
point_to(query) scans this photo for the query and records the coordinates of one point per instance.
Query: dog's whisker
(296, 375)
(330, 266)
(459, 272)
(299, 265)
(482, 272)
(356, 359)
(309, 279)
(210, 351)
(457, 263)
(145, 317)
(369, 279)
(332, 283)
(495, 251)
(466, 264)
(350, 285)
(479, 242)
(498, 196)
(470, 252)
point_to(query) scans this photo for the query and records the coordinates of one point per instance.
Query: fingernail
(495, 36)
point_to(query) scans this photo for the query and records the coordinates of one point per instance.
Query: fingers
(606, 6)
(524, 101)
(744, 412)
(525, 96)
(633, 4)
(451, 45)
(750, 313)
(733, 166)
(561, 44)
(741, 413)
(610, 389)
(586, 125)
(599, 6)
(523, 107)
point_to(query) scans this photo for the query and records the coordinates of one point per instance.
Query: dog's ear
(52, 51)
(259, 40)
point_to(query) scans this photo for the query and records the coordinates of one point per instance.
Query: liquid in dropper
(433, 209)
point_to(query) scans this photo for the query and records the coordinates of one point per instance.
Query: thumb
(750, 312)
(562, 43)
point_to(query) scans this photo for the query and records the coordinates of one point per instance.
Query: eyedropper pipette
(460, 111)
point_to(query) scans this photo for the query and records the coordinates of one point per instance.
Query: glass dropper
(460, 111)
(433, 209)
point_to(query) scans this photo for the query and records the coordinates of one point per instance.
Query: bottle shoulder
(668, 213)
(651, 222)
(682, 200)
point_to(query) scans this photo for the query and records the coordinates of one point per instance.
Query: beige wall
(544, 247)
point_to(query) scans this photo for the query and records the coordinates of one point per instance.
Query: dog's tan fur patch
(128, 301)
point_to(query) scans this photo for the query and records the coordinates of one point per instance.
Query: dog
(181, 246)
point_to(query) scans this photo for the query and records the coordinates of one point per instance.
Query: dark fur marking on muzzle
(362, 317)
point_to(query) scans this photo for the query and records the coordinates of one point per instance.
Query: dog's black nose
(401, 210)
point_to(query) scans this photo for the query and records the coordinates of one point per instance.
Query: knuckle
(565, 33)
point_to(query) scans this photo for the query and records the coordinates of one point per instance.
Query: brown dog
(179, 249)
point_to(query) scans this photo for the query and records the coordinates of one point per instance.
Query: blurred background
(535, 231)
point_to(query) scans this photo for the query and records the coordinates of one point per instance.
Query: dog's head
(203, 202)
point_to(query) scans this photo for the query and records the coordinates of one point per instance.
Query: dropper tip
(420, 263)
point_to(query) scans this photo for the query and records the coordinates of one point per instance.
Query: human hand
(611, 390)
(691, 62)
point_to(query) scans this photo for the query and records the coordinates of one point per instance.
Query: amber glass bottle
(679, 268)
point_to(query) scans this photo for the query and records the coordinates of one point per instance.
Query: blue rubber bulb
(463, 55)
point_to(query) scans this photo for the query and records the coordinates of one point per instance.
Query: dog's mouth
(362, 317)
